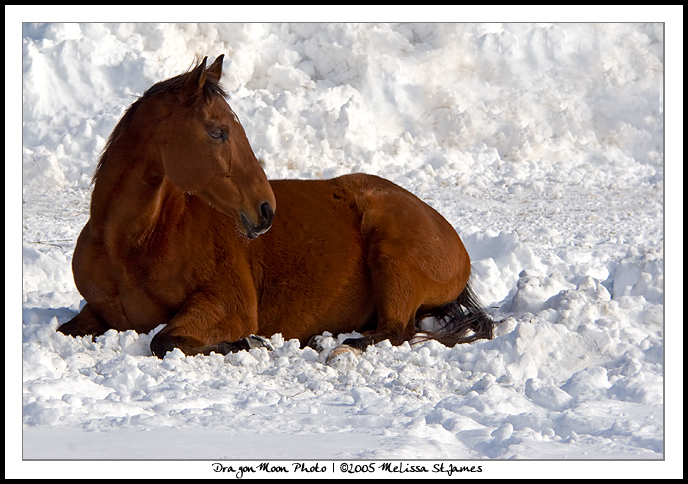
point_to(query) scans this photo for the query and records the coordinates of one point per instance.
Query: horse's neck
(130, 202)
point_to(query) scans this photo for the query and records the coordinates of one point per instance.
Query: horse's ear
(194, 83)
(215, 70)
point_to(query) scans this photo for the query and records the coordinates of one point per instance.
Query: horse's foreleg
(87, 322)
(194, 347)
(252, 341)
(205, 325)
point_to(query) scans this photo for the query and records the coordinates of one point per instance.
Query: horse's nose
(266, 213)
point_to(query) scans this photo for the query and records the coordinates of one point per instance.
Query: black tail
(463, 320)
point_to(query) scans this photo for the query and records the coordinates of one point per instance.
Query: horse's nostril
(267, 212)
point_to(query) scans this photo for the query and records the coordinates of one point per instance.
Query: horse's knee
(85, 323)
(160, 345)
(163, 342)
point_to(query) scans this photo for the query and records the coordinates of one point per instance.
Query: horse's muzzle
(266, 214)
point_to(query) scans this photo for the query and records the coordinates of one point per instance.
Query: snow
(542, 144)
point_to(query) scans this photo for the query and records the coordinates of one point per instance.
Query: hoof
(255, 341)
(315, 342)
(341, 350)
(419, 338)
(359, 344)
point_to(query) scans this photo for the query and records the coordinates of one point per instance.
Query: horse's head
(205, 151)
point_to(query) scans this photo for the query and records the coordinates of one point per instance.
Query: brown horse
(178, 235)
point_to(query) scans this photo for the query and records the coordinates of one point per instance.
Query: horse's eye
(219, 134)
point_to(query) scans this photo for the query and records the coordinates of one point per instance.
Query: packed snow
(542, 144)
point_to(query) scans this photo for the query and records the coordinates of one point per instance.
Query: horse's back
(393, 219)
(371, 213)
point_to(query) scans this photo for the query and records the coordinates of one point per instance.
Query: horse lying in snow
(186, 230)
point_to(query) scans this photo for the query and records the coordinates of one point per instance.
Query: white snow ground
(543, 144)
